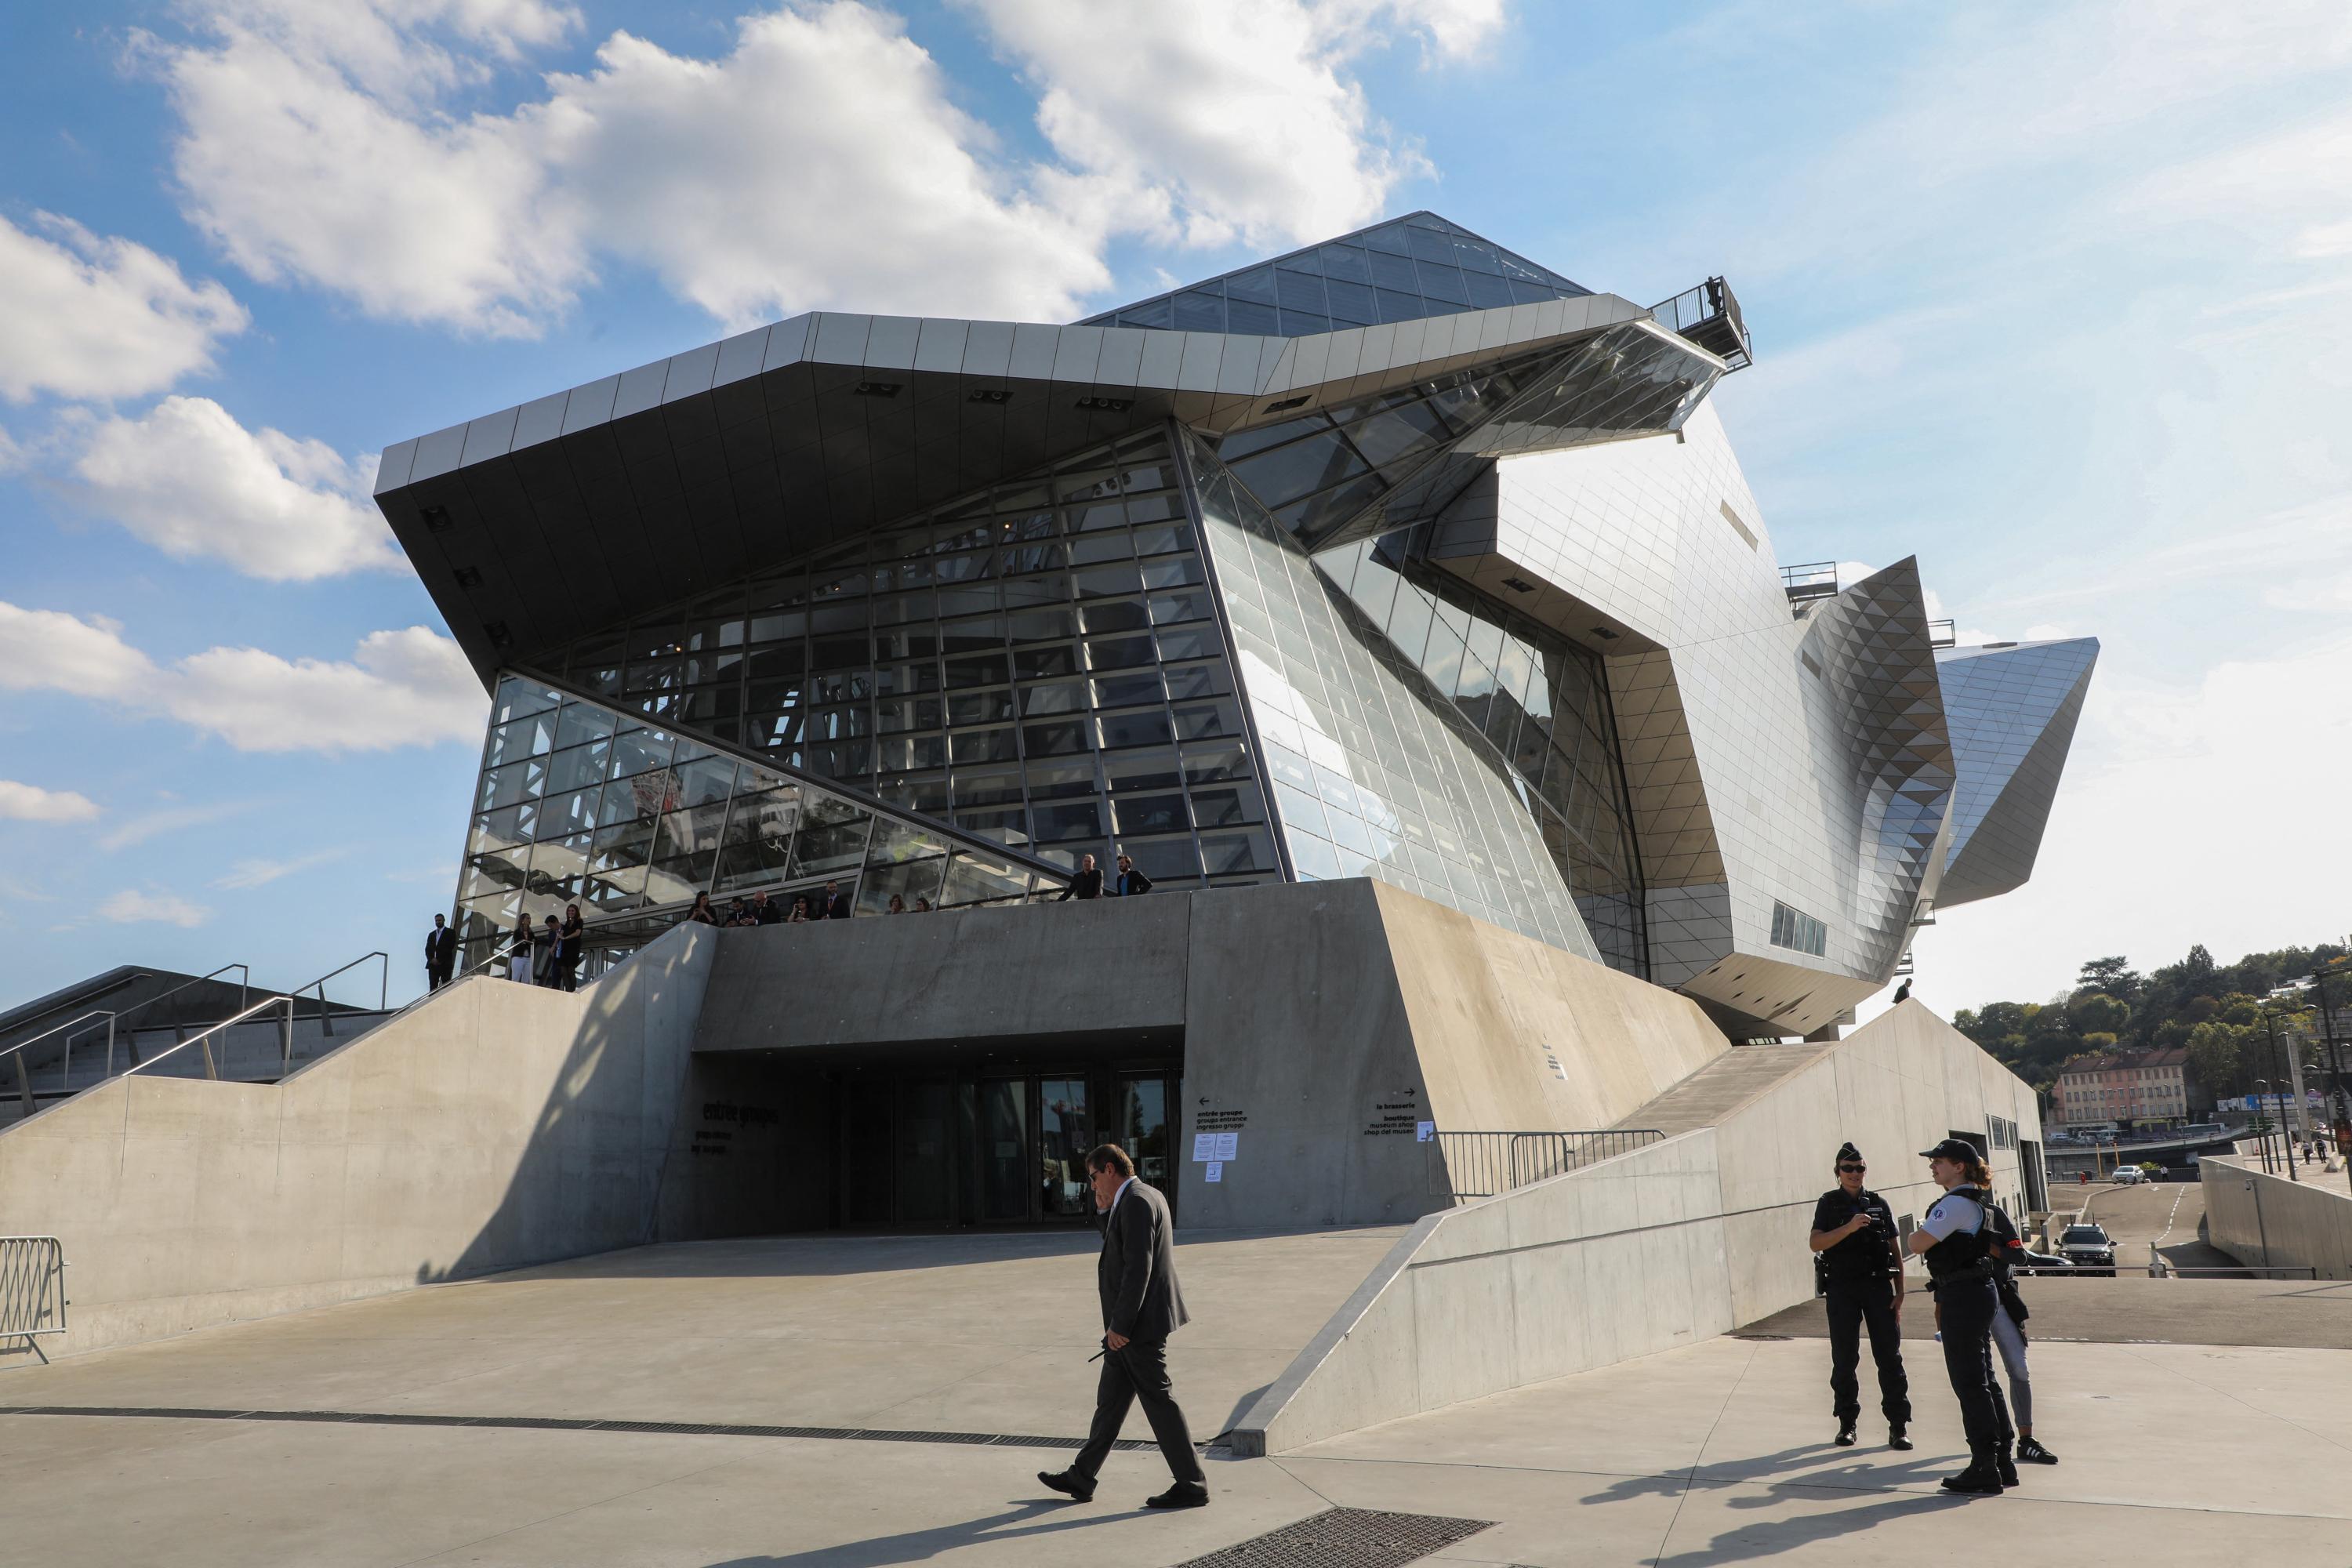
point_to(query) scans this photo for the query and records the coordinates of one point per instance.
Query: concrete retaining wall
(494, 1126)
(1662, 1246)
(1320, 1022)
(2264, 1220)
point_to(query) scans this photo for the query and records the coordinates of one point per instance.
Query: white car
(2129, 1175)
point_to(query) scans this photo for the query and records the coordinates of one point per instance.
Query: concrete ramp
(1664, 1247)
(1723, 1086)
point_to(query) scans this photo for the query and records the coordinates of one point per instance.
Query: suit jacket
(441, 947)
(837, 907)
(1131, 883)
(1084, 885)
(1137, 1271)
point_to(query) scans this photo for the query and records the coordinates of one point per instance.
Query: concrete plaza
(1715, 1453)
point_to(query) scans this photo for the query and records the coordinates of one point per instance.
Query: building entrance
(1000, 1146)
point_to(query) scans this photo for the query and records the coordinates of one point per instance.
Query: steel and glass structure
(1399, 556)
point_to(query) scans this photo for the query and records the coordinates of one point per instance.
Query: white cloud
(1223, 119)
(189, 479)
(167, 819)
(402, 688)
(819, 162)
(86, 316)
(261, 873)
(129, 907)
(31, 802)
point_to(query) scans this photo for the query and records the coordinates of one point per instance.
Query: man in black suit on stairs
(440, 954)
(1141, 1306)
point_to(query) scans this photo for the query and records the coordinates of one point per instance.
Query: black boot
(1897, 1438)
(1844, 1439)
(1980, 1479)
(2005, 1466)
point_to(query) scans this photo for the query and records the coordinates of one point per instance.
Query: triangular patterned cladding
(1404, 269)
(1872, 644)
(1672, 823)
(1374, 771)
(2012, 712)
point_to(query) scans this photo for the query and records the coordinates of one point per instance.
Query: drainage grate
(553, 1424)
(1345, 1538)
(1763, 1336)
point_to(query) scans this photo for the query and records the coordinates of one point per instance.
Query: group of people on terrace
(548, 954)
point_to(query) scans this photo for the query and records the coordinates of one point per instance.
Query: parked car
(2042, 1262)
(2088, 1247)
(2129, 1175)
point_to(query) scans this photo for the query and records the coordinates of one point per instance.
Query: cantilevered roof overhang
(582, 508)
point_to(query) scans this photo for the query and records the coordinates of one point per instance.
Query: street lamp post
(2339, 1101)
(2263, 1124)
(2286, 1133)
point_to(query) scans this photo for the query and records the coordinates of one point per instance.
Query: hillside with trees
(2213, 1009)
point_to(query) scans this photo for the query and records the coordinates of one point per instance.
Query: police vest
(1962, 1255)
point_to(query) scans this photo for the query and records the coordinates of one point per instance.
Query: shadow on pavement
(918, 1545)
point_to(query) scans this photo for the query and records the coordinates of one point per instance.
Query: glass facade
(1402, 270)
(1038, 666)
(580, 802)
(1422, 740)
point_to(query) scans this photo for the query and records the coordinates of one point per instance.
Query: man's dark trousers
(1139, 1371)
(1853, 1303)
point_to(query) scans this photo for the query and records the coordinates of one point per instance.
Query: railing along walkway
(1465, 1166)
(32, 1290)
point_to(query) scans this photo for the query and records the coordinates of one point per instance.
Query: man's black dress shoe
(1844, 1439)
(1183, 1494)
(1080, 1488)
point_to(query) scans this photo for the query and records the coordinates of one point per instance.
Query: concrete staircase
(1715, 1091)
(243, 1053)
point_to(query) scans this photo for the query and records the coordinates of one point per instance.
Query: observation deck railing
(1465, 1166)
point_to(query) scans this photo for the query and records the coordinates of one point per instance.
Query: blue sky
(2059, 299)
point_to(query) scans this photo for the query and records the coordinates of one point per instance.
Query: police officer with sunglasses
(1859, 1268)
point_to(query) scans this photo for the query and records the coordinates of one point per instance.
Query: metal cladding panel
(869, 420)
(1771, 763)
(1879, 668)
(2012, 712)
(1374, 771)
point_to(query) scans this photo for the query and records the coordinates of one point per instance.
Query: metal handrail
(383, 990)
(244, 987)
(65, 1076)
(204, 1037)
(1484, 1164)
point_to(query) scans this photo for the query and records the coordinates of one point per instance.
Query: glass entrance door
(1004, 1164)
(1065, 1130)
(1143, 1129)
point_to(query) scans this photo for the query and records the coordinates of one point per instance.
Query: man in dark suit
(1131, 881)
(1141, 1306)
(440, 954)
(835, 905)
(1087, 884)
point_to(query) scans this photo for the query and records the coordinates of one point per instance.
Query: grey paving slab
(988, 1333)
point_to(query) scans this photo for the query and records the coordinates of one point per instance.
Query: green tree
(2114, 975)
(2096, 1012)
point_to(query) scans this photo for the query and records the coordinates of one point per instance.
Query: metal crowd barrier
(1465, 1166)
(32, 1290)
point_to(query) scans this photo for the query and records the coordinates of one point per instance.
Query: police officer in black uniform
(1959, 1265)
(1861, 1265)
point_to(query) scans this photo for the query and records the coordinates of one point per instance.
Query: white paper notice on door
(1228, 1146)
(1216, 1170)
(1204, 1148)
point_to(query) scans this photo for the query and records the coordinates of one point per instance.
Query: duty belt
(1980, 1270)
